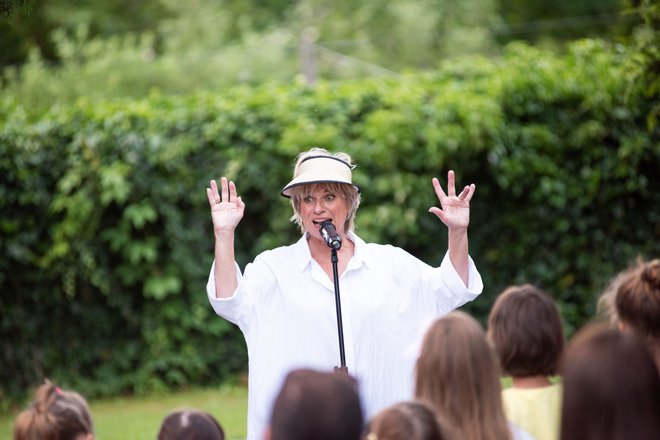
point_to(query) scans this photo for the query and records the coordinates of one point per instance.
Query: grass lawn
(139, 418)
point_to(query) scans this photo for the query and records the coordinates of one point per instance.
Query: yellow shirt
(535, 410)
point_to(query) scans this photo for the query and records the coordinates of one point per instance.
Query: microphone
(329, 234)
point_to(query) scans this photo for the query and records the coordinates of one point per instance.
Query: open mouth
(318, 222)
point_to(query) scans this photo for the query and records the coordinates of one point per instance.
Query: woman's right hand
(226, 208)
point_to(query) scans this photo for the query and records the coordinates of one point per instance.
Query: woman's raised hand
(226, 207)
(454, 209)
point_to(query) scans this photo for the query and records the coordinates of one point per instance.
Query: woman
(458, 374)
(284, 301)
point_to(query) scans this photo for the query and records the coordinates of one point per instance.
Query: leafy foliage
(63, 51)
(107, 240)
(646, 66)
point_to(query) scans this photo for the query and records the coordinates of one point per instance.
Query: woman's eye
(307, 199)
(330, 197)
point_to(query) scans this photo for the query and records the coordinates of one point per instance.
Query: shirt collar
(362, 252)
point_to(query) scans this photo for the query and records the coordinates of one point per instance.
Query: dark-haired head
(611, 387)
(315, 405)
(190, 425)
(525, 328)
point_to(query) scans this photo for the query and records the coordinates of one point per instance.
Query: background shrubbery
(106, 236)
(61, 50)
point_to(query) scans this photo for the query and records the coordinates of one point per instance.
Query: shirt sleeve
(454, 282)
(231, 307)
(255, 287)
(441, 286)
(450, 286)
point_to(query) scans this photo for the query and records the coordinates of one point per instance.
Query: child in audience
(316, 405)
(55, 415)
(606, 307)
(410, 420)
(638, 305)
(611, 387)
(190, 425)
(525, 328)
(458, 374)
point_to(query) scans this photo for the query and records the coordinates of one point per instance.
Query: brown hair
(638, 304)
(410, 420)
(611, 387)
(458, 373)
(315, 405)
(54, 415)
(345, 191)
(525, 328)
(190, 425)
(606, 307)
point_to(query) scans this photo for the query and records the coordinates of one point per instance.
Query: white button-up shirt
(285, 307)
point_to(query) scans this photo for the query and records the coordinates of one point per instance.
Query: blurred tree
(7, 7)
(64, 50)
(562, 20)
(397, 35)
(22, 26)
(30, 25)
(647, 63)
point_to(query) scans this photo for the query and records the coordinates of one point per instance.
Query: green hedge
(106, 236)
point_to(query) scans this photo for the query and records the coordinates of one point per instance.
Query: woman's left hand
(454, 209)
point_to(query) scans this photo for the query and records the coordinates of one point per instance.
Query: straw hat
(320, 169)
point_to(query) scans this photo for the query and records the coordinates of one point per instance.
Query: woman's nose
(318, 206)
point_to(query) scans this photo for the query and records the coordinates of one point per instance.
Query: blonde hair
(459, 375)
(345, 191)
(54, 415)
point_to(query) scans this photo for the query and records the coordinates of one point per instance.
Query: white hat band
(320, 169)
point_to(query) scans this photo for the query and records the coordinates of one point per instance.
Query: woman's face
(321, 205)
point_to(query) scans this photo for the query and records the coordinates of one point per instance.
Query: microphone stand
(343, 369)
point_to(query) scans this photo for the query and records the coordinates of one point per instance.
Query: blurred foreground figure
(314, 405)
(410, 420)
(611, 388)
(638, 305)
(459, 375)
(55, 414)
(190, 425)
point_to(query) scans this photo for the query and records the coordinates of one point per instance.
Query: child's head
(525, 328)
(409, 420)
(638, 300)
(316, 405)
(458, 374)
(55, 415)
(611, 387)
(191, 425)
